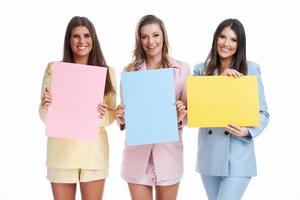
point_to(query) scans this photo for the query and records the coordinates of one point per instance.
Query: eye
(233, 39)
(156, 35)
(222, 36)
(75, 36)
(144, 37)
(87, 35)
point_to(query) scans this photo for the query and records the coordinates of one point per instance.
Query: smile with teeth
(225, 50)
(151, 47)
(82, 47)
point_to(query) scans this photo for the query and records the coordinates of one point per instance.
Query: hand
(46, 99)
(232, 72)
(237, 130)
(102, 109)
(120, 115)
(181, 111)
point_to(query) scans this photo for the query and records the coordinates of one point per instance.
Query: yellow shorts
(56, 175)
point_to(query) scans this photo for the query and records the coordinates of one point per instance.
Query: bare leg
(63, 191)
(167, 192)
(140, 192)
(92, 190)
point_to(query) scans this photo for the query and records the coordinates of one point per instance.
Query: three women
(226, 159)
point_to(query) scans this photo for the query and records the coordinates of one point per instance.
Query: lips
(225, 50)
(151, 47)
(81, 48)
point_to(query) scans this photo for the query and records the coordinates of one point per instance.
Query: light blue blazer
(222, 154)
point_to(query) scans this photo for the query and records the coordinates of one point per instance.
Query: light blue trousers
(225, 187)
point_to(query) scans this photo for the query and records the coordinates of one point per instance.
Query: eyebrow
(150, 33)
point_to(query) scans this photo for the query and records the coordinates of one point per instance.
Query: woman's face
(152, 40)
(226, 44)
(81, 42)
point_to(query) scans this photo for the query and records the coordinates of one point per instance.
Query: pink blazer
(167, 157)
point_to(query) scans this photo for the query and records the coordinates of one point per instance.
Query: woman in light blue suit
(226, 158)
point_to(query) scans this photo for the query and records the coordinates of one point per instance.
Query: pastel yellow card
(215, 101)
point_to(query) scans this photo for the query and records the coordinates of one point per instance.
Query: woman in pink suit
(155, 165)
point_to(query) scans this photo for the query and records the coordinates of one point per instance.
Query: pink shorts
(150, 177)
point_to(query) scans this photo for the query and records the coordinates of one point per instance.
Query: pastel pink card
(76, 92)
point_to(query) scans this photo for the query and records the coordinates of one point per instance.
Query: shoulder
(49, 68)
(253, 68)
(181, 65)
(199, 69)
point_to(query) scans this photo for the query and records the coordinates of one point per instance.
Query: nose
(82, 39)
(226, 42)
(151, 39)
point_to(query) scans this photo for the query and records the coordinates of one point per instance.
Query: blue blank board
(150, 109)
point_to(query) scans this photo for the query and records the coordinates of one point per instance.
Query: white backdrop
(32, 35)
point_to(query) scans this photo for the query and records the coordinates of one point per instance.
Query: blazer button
(226, 133)
(209, 132)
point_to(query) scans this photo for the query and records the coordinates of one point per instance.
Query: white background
(32, 35)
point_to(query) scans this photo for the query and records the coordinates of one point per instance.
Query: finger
(47, 104)
(119, 111)
(47, 92)
(233, 131)
(102, 105)
(230, 129)
(120, 115)
(102, 111)
(183, 113)
(237, 74)
(120, 106)
(234, 126)
(182, 107)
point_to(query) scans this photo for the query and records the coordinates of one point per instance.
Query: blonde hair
(139, 54)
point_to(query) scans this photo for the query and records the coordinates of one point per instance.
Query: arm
(46, 85)
(251, 132)
(182, 103)
(263, 109)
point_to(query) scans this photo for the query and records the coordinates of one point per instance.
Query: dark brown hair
(239, 61)
(96, 57)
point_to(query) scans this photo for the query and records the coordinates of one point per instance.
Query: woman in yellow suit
(71, 161)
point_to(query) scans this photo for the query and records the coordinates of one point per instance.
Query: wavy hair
(139, 54)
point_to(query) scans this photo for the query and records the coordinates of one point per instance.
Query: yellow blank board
(216, 101)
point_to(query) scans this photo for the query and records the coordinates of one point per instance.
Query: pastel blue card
(150, 109)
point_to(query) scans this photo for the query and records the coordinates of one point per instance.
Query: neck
(153, 62)
(225, 63)
(82, 60)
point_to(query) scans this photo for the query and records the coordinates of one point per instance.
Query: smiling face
(81, 44)
(226, 44)
(152, 38)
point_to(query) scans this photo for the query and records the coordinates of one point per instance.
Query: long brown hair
(96, 57)
(239, 61)
(139, 54)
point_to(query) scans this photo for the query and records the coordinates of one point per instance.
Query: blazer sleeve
(46, 84)
(183, 97)
(254, 69)
(110, 101)
(199, 70)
